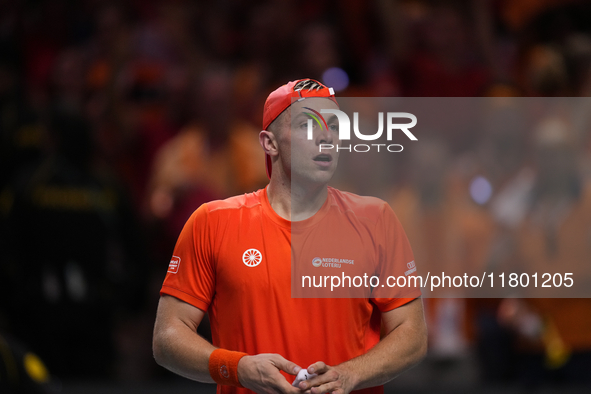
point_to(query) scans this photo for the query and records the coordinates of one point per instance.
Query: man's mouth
(323, 157)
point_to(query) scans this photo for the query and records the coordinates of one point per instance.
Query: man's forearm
(403, 347)
(398, 351)
(178, 348)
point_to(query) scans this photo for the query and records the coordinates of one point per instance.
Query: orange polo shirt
(232, 259)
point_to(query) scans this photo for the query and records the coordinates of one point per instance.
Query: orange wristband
(223, 366)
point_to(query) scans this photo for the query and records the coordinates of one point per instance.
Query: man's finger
(285, 365)
(318, 367)
(329, 376)
(283, 386)
(325, 388)
(280, 384)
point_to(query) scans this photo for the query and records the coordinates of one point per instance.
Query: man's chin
(313, 178)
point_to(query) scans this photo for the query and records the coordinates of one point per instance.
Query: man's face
(300, 156)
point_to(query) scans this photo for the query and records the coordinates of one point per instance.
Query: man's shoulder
(242, 201)
(360, 205)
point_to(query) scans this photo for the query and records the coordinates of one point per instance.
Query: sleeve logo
(173, 267)
(411, 268)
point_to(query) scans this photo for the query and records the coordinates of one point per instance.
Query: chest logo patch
(252, 257)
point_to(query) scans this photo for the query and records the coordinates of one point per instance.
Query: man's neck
(295, 203)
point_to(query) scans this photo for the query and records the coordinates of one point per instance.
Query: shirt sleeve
(191, 272)
(396, 267)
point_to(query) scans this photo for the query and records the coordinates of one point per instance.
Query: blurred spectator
(553, 342)
(444, 62)
(445, 229)
(71, 253)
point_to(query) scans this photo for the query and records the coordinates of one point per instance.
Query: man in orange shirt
(232, 260)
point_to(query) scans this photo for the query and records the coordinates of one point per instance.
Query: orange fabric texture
(232, 260)
(223, 367)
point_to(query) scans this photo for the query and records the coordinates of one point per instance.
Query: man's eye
(333, 127)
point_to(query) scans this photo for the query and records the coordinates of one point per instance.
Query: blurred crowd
(119, 118)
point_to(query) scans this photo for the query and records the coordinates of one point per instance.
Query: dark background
(119, 118)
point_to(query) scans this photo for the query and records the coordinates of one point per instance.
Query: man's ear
(268, 142)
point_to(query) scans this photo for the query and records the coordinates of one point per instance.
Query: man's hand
(261, 374)
(336, 379)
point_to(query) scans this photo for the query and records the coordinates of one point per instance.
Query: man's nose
(324, 135)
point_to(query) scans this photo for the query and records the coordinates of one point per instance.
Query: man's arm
(179, 348)
(403, 347)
